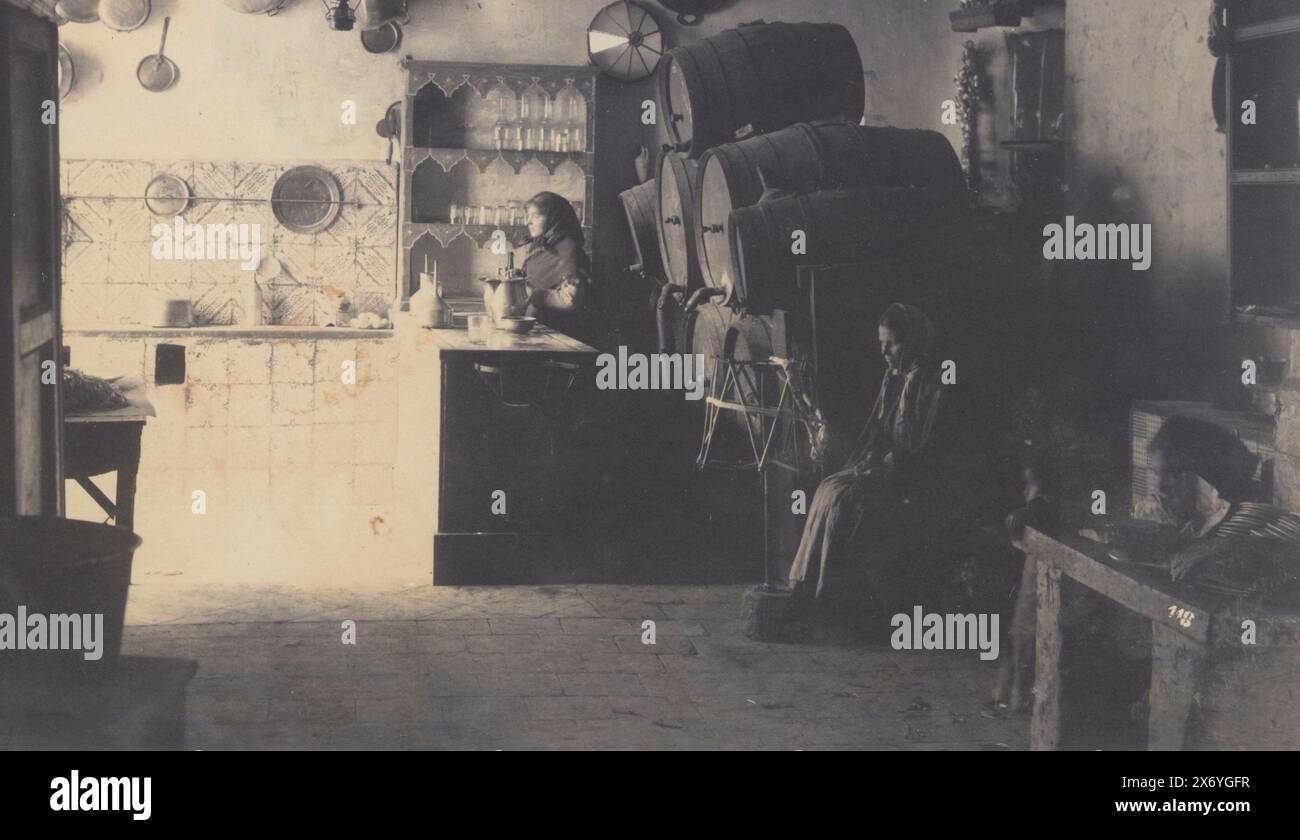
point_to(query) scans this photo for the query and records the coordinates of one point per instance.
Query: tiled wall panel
(111, 276)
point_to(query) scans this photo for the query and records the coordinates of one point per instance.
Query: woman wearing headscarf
(893, 457)
(558, 269)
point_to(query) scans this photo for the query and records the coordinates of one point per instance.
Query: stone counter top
(270, 332)
(456, 340)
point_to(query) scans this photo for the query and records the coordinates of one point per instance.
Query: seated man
(1216, 536)
(1203, 493)
(891, 467)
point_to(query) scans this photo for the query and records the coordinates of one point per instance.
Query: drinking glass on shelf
(453, 214)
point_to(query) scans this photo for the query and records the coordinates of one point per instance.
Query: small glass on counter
(480, 328)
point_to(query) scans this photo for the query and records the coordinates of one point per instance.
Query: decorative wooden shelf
(449, 106)
(1266, 176)
(483, 158)
(445, 232)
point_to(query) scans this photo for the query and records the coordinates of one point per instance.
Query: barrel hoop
(820, 147)
(730, 101)
(755, 65)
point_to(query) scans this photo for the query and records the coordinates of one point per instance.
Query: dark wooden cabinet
(30, 220)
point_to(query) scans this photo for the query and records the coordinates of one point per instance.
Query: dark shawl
(907, 409)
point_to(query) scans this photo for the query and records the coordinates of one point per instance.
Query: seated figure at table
(856, 514)
(557, 267)
(1215, 535)
(1204, 491)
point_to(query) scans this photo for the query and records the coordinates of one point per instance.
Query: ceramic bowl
(516, 323)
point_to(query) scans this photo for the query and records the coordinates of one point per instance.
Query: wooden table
(1180, 633)
(108, 441)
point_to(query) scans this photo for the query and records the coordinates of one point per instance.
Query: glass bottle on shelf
(532, 109)
(500, 106)
(571, 110)
(453, 214)
(546, 133)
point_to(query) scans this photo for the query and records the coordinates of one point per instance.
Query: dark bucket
(54, 566)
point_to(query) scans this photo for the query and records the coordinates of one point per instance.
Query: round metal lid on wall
(124, 15)
(306, 199)
(167, 195)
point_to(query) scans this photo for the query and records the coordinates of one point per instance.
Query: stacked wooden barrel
(675, 209)
(758, 78)
(810, 157)
(766, 168)
(642, 222)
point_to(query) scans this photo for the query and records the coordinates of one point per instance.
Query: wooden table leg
(1175, 660)
(1045, 730)
(127, 471)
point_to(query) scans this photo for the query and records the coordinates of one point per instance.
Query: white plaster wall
(269, 88)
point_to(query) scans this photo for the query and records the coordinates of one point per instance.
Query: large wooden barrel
(761, 77)
(676, 219)
(640, 206)
(839, 226)
(807, 157)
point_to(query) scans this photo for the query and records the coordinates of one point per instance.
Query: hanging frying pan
(124, 15)
(382, 40)
(158, 72)
(390, 127)
(256, 7)
(67, 72)
(78, 11)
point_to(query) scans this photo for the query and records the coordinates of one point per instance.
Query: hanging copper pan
(157, 72)
(67, 72)
(78, 11)
(124, 15)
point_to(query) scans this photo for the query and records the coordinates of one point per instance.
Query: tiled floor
(542, 667)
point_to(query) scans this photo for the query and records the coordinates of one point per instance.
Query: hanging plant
(972, 88)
